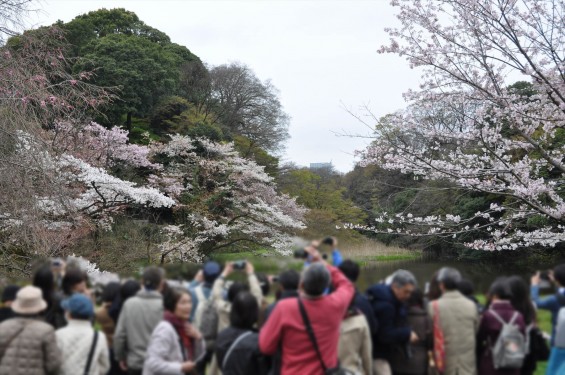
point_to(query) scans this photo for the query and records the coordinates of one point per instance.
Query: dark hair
(236, 288)
(521, 298)
(289, 280)
(328, 241)
(416, 298)
(73, 276)
(501, 289)
(466, 287)
(172, 297)
(110, 291)
(264, 283)
(244, 311)
(559, 274)
(350, 269)
(152, 277)
(45, 280)
(315, 279)
(434, 292)
(128, 289)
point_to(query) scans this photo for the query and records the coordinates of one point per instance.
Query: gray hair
(402, 278)
(449, 277)
(152, 277)
(315, 279)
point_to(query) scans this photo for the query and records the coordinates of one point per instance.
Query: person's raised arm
(549, 303)
(218, 288)
(254, 285)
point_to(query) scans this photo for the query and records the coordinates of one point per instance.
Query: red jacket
(285, 328)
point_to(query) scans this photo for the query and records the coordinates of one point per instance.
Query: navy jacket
(391, 316)
(362, 303)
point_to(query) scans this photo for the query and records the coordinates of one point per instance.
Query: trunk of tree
(128, 122)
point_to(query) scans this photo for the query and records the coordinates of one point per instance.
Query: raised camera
(239, 265)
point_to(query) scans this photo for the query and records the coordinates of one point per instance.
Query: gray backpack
(510, 349)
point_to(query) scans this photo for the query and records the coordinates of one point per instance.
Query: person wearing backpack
(203, 310)
(237, 347)
(501, 336)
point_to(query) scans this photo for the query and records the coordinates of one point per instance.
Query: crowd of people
(317, 323)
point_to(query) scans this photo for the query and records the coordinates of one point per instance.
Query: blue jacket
(550, 303)
(391, 315)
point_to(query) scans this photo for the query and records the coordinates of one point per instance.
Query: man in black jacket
(388, 302)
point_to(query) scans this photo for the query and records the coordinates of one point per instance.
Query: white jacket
(164, 353)
(75, 341)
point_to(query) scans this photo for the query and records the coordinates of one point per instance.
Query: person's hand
(199, 277)
(228, 269)
(123, 365)
(536, 278)
(249, 269)
(414, 337)
(551, 276)
(187, 366)
(193, 332)
(315, 255)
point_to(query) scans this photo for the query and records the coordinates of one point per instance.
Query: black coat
(392, 319)
(245, 358)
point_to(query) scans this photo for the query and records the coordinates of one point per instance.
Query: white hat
(29, 301)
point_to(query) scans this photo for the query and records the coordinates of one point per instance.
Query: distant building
(321, 166)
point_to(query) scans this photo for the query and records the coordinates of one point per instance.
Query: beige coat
(459, 320)
(355, 348)
(28, 347)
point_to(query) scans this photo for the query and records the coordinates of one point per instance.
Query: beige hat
(29, 301)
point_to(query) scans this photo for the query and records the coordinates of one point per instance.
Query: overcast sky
(321, 55)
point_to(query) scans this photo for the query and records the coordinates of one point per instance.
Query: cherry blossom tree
(223, 200)
(469, 125)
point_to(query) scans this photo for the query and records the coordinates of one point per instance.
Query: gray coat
(139, 317)
(28, 347)
(164, 353)
(459, 321)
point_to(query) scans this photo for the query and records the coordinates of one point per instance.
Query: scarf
(180, 326)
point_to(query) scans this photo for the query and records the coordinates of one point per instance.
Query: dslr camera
(300, 254)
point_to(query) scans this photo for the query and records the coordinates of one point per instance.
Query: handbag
(439, 341)
(328, 371)
(538, 345)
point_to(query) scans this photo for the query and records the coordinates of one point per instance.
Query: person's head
(315, 280)
(403, 284)
(9, 294)
(211, 271)
(289, 280)
(350, 269)
(434, 292)
(78, 306)
(559, 274)
(43, 279)
(244, 311)
(110, 291)
(500, 290)
(29, 301)
(264, 283)
(178, 301)
(235, 288)
(330, 241)
(416, 298)
(129, 289)
(153, 278)
(466, 288)
(521, 298)
(74, 281)
(448, 279)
